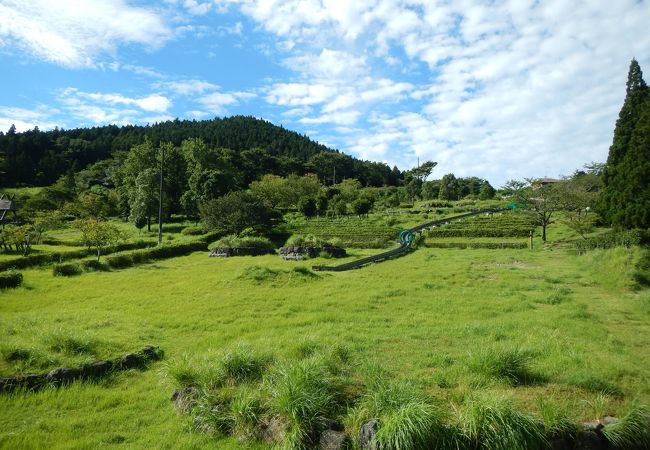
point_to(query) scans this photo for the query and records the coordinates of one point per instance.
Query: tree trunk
(99, 253)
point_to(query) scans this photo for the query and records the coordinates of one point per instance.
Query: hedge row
(55, 257)
(445, 232)
(614, 239)
(129, 259)
(488, 245)
(10, 279)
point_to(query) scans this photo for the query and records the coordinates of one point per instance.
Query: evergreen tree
(625, 154)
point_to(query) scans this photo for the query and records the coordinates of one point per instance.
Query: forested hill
(40, 157)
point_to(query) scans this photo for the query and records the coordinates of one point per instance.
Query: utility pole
(160, 196)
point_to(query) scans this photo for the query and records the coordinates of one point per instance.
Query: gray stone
(333, 440)
(608, 420)
(367, 434)
(63, 375)
(97, 369)
(33, 381)
(185, 399)
(131, 360)
(590, 440)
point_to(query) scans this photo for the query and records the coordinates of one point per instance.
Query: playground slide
(406, 238)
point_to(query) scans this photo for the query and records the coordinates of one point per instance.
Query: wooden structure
(7, 203)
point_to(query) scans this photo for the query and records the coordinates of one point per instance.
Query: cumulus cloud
(77, 33)
(217, 102)
(90, 108)
(512, 88)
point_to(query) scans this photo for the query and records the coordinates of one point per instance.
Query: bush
(66, 270)
(94, 265)
(193, 231)
(613, 239)
(10, 279)
(119, 261)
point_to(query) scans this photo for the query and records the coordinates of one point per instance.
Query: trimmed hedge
(56, 257)
(66, 270)
(94, 265)
(123, 260)
(614, 239)
(10, 279)
(488, 245)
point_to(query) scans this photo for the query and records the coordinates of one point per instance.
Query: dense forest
(255, 147)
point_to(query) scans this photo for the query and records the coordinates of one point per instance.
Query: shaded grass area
(571, 323)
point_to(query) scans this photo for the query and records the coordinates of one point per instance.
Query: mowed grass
(529, 325)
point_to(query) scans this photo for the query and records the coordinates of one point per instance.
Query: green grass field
(442, 319)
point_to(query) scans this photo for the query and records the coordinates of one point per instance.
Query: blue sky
(495, 89)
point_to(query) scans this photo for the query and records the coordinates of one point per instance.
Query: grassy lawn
(433, 317)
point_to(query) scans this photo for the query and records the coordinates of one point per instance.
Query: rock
(333, 440)
(590, 440)
(367, 434)
(97, 369)
(131, 360)
(185, 399)
(559, 443)
(593, 426)
(33, 381)
(608, 420)
(152, 353)
(271, 429)
(63, 375)
(7, 384)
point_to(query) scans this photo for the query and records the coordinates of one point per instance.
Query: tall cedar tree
(625, 189)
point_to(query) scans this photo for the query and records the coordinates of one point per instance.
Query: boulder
(367, 434)
(63, 375)
(590, 440)
(333, 440)
(97, 369)
(185, 399)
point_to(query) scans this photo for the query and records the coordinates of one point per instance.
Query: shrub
(613, 239)
(10, 279)
(119, 261)
(66, 270)
(193, 231)
(94, 265)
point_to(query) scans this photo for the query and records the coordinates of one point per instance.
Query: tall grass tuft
(407, 418)
(194, 371)
(511, 365)
(557, 421)
(242, 364)
(304, 393)
(493, 423)
(632, 431)
(71, 345)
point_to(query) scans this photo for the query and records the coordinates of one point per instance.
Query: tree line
(39, 158)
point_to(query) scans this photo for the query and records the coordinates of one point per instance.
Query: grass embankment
(456, 323)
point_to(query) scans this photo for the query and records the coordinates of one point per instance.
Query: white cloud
(25, 119)
(77, 33)
(152, 103)
(188, 87)
(217, 102)
(513, 88)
